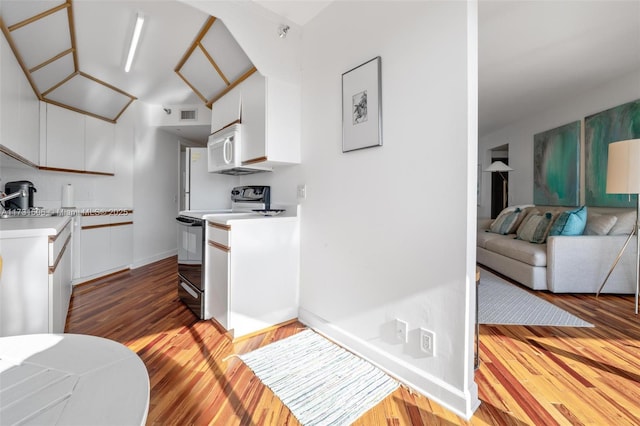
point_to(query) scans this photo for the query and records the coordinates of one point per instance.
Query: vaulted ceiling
(532, 54)
(73, 53)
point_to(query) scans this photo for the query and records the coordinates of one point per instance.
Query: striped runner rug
(500, 302)
(320, 382)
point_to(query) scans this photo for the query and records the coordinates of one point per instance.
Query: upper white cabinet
(270, 117)
(75, 142)
(63, 146)
(19, 107)
(99, 140)
(270, 121)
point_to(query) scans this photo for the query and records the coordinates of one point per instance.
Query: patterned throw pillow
(571, 222)
(506, 222)
(535, 228)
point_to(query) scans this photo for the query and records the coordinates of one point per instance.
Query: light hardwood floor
(527, 376)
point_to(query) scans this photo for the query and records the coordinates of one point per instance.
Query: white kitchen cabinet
(106, 243)
(75, 142)
(35, 285)
(217, 264)
(270, 121)
(226, 110)
(19, 109)
(99, 141)
(63, 141)
(252, 273)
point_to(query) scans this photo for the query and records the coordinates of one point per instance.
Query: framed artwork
(556, 166)
(600, 129)
(362, 106)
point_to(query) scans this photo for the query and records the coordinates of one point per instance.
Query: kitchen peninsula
(35, 285)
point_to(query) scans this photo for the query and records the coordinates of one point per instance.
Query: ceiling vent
(188, 114)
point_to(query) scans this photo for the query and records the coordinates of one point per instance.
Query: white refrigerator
(203, 190)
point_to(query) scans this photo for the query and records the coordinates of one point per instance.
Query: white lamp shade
(498, 166)
(623, 167)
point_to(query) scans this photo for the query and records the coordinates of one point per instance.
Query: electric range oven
(192, 283)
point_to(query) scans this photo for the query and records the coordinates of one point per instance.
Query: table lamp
(499, 166)
(623, 177)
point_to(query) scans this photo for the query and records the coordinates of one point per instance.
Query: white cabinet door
(217, 258)
(19, 107)
(254, 115)
(218, 294)
(226, 110)
(95, 251)
(60, 292)
(64, 139)
(99, 145)
(270, 121)
(106, 245)
(121, 244)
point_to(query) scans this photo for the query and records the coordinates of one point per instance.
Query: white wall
(155, 189)
(385, 230)
(519, 136)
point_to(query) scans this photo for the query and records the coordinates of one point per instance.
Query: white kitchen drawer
(218, 233)
(57, 242)
(95, 220)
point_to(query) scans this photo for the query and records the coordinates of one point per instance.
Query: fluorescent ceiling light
(134, 42)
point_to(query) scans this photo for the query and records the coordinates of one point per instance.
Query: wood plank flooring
(527, 376)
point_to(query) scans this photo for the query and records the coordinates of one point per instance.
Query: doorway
(499, 181)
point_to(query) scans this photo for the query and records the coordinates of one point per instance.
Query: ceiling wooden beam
(55, 58)
(39, 16)
(14, 49)
(72, 34)
(199, 37)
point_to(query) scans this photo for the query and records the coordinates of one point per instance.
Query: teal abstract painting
(556, 166)
(616, 124)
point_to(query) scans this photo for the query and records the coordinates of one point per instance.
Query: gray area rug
(500, 302)
(320, 382)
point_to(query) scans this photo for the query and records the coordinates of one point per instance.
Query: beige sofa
(565, 264)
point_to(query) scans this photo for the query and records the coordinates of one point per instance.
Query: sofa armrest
(579, 264)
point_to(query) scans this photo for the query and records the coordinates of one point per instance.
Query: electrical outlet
(428, 342)
(302, 191)
(402, 331)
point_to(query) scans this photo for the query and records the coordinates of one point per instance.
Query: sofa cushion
(484, 236)
(570, 222)
(600, 224)
(507, 221)
(531, 254)
(624, 224)
(535, 227)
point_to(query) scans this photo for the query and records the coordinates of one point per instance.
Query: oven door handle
(187, 221)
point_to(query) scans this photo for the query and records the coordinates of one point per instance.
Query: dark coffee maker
(19, 203)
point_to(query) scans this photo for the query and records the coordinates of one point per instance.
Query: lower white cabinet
(106, 245)
(252, 273)
(35, 285)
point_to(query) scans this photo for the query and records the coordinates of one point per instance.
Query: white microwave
(224, 153)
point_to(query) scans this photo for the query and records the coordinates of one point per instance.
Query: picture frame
(362, 106)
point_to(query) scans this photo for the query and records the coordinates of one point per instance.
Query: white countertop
(61, 379)
(32, 226)
(290, 214)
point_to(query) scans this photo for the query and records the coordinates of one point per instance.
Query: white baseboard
(142, 262)
(463, 403)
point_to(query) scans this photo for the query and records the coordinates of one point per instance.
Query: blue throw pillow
(571, 222)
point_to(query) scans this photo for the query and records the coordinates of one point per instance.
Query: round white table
(71, 379)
